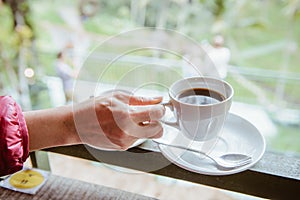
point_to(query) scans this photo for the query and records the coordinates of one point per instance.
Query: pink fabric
(14, 143)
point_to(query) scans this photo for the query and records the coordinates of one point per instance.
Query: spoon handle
(181, 147)
(217, 160)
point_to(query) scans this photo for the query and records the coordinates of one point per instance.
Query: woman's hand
(115, 120)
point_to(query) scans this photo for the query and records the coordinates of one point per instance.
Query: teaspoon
(226, 161)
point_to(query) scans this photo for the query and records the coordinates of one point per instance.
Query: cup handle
(174, 124)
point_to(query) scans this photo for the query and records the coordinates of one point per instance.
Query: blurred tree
(20, 11)
(16, 37)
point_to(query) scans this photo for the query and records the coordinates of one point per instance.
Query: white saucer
(238, 136)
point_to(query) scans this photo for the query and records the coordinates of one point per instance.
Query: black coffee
(200, 96)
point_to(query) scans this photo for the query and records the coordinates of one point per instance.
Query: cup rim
(203, 77)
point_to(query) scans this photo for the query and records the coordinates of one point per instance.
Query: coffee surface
(200, 96)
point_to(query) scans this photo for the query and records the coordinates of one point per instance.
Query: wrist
(68, 126)
(51, 127)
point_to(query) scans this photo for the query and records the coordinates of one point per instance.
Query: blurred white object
(255, 115)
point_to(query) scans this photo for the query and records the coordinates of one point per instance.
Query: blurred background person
(217, 58)
(67, 74)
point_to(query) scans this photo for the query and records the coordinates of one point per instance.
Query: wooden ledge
(275, 176)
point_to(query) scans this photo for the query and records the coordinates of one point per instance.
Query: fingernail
(156, 98)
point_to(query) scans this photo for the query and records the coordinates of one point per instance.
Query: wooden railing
(275, 176)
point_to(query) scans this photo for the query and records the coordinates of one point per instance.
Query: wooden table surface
(61, 188)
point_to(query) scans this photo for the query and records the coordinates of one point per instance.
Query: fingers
(141, 114)
(151, 129)
(144, 121)
(144, 100)
(129, 98)
(125, 118)
(140, 121)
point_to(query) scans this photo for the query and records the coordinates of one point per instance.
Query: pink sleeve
(14, 143)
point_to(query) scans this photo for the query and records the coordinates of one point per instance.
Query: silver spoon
(226, 161)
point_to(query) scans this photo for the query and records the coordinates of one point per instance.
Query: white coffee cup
(199, 118)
